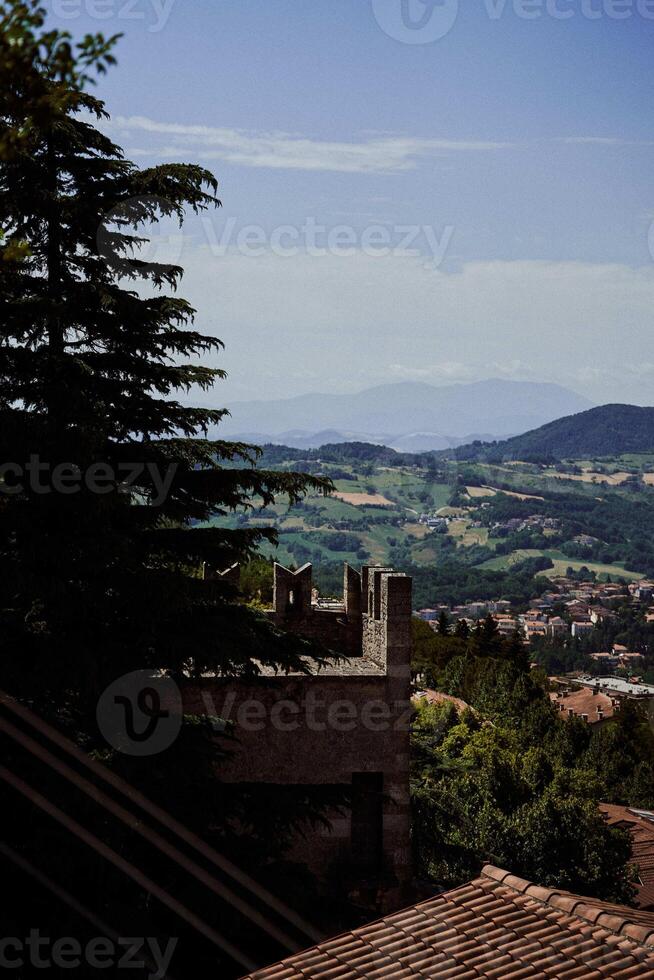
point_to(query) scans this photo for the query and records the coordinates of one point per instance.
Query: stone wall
(344, 724)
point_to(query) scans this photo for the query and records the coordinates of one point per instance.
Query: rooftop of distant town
(616, 684)
(438, 697)
(591, 705)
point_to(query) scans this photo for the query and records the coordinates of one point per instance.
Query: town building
(592, 706)
(617, 688)
(507, 625)
(433, 613)
(605, 659)
(580, 628)
(556, 627)
(534, 631)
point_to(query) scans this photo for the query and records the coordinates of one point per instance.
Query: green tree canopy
(92, 366)
(511, 782)
(111, 476)
(480, 795)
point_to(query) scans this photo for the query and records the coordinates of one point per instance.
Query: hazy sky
(410, 189)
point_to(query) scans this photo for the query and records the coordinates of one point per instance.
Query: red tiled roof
(497, 926)
(642, 836)
(438, 697)
(585, 701)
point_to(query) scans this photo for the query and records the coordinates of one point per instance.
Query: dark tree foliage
(349, 452)
(106, 473)
(443, 623)
(454, 582)
(91, 369)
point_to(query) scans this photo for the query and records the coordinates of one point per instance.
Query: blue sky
(508, 164)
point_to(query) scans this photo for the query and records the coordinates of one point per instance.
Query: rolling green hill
(465, 529)
(605, 431)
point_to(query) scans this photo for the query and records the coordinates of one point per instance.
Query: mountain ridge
(604, 430)
(406, 414)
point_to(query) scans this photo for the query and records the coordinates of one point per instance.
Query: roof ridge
(613, 918)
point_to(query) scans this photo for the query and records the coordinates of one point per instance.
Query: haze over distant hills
(408, 416)
(604, 431)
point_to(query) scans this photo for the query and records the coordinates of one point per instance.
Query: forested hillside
(602, 431)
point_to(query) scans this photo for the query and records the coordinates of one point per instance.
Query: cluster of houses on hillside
(571, 609)
(596, 699)
(619, 656)
(536, 522)
(500, 529)
(567, 609)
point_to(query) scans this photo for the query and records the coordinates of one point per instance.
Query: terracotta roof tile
(439, 697)
(641, 829)
(490, 871)
(585, 701)
(633, 972)
(499, 926)
(518, 884)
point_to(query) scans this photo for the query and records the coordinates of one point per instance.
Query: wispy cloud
(276, 150)
(373, 153)
(602, 141)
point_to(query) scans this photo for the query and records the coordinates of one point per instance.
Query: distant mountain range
(409, 416)
(604, 431)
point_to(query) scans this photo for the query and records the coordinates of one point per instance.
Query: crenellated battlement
(386, 626)
(374, 620)
(292, 592)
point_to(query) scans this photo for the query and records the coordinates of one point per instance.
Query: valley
(429, 513)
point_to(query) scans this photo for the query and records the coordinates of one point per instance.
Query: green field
(561, 564)
(327, 530)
